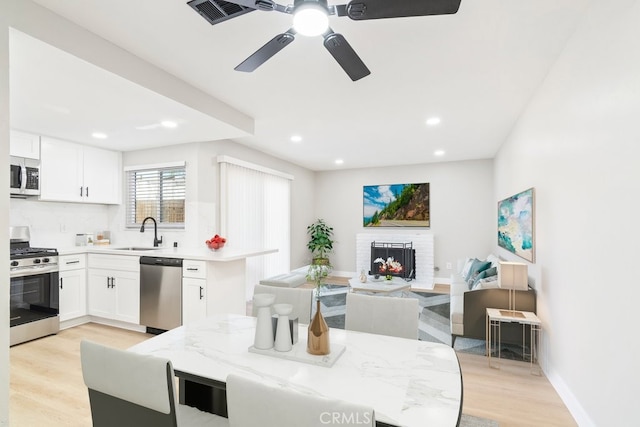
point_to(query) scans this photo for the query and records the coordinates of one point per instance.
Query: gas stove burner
(29, 252)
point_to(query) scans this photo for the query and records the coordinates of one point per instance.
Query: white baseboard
(102, 321)
(74, 322)
(118, 324)
(570, 401)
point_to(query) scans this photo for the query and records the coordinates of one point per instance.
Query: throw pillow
(476, 268)
(494, 260)
(489, 272)
(487, 283)
(465, 269)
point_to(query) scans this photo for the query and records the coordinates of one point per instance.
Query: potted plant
(320, 241)
(320, 244)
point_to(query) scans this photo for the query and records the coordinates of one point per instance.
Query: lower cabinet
(114, 295)
(194, 299)
(114, 287)
(72, 287)
(194, 291)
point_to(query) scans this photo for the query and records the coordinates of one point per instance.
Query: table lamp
(512, 276)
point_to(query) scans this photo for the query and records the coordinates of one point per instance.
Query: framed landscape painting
(396, 205)
(516, 224)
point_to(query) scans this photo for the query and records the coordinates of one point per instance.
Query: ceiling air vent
(216, 11)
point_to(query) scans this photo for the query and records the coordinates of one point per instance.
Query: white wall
(462, 208)
(578, 144)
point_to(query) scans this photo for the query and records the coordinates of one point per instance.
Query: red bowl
(214, 245)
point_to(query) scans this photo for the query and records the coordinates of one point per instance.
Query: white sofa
(468, 308)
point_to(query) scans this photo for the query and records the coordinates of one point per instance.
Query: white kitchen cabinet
(102, 176)
(73, 286)
(73, 172)
(114, 287)
(194, 291)
(194, 299)
(22, 144)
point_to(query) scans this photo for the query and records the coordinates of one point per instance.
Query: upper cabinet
(73, 172)
(22, 144)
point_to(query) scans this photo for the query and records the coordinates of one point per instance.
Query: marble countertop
(407, 382)
(201, 254)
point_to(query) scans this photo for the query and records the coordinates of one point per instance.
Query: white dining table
(407, 382)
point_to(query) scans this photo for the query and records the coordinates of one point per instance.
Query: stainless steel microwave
(24, 176)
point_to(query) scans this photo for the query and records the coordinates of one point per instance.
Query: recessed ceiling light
(296, 138)
(433, 121)
(339, 161)
(439, 153)
(169, 124)
(99, 135)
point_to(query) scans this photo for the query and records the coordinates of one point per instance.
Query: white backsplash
(55, 224)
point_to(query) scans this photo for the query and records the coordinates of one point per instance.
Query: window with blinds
(158, 192)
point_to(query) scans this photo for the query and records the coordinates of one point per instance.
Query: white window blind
(157, 191)
(255, 213)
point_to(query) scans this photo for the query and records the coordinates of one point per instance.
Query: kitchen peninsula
(102, 283)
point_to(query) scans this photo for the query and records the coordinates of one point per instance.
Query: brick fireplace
(419, 243)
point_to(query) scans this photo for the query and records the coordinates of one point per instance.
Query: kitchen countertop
(225, 254)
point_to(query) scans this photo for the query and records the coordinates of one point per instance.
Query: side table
(495, 318)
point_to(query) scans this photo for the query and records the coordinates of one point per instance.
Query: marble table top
(407, 382)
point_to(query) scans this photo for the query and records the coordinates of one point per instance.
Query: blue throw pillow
(490, 272)
(476, 268)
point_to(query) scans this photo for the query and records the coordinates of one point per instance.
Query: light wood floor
(47, 388)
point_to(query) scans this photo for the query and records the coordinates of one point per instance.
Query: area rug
(471, 421)
(433, 324)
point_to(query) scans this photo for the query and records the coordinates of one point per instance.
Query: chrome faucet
(156, 242)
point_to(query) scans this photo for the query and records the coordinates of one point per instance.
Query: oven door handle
(33, 270)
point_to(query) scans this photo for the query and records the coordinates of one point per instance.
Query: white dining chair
(131, 389)
(300, 298)
(252, 403)
(382, 315)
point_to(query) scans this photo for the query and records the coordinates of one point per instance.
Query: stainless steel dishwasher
(160, 293)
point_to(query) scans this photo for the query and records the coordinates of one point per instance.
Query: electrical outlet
(449, 266)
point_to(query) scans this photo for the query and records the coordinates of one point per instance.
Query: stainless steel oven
(33, 289)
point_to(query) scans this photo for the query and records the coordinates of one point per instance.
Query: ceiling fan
(311, 18)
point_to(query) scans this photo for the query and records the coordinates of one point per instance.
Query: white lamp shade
(513, 275)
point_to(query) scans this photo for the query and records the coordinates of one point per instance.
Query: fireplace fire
(394, 259)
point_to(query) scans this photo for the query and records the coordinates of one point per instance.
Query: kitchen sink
(134, 248)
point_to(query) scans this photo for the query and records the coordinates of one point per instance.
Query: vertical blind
(157, 191)
(255, 213)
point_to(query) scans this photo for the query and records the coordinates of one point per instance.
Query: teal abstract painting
(515, 224)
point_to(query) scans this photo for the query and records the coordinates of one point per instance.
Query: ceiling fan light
(310, 19)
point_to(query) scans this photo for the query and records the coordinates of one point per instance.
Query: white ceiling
(476, 70)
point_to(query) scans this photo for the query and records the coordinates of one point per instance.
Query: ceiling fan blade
(348, 59)
(263, 54)
(376, 9)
